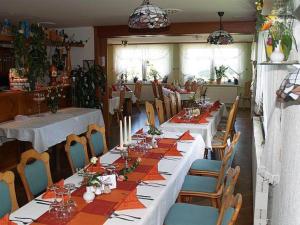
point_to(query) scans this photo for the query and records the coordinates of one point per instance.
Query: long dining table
(207, 129)
(174, 170)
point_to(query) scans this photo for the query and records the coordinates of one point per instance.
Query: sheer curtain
(139, 60)
(199, 60)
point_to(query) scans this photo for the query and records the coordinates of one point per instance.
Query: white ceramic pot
(98, 191)
(89, 195)
(277, 56)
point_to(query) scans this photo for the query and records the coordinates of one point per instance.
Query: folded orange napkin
(130, 202)
(186, 136)
(173, 151)
(50, 194)
(5, 221)
(153, 174)
(95, 168)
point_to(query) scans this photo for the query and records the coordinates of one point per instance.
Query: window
(200, 60)
(142, 61)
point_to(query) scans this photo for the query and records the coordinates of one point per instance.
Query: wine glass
(70, 203)
(53, 207)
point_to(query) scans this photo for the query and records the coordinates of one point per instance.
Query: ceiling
(75, 13)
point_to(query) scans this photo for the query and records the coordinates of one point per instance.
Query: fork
(121, 218)
(134, 217)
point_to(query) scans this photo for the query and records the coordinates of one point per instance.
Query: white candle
(129, 130)
(121, 135)
(125, 131)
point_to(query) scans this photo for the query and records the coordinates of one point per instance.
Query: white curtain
(138, 60)
(199, 60)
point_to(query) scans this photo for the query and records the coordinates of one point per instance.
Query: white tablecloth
(183, 96)
(50, 129)
(113, 104)
(207, 130)
(164, 196)
(128, 95)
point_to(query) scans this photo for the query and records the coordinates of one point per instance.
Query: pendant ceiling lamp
(220, 37)
(148, 16)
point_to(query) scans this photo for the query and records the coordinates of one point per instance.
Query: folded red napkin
(153, 174)
(130, 202)
(217, 103)
(50, 194)
(114, 87)
(95, 168)
(5, 221)
(186, 136)
(140, 131)
(166, 142)
(173, 151)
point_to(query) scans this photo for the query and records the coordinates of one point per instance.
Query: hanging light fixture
(220, 37)
(148, 16)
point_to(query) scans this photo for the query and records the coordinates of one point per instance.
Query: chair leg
(214, 202)
(219, 203)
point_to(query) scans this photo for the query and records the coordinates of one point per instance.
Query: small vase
(98, 191)
(219, 80)
(89, 195)
(277, 56)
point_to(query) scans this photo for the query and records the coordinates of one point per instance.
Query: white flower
(52, 98)
(139, 160)
(21, 31)
(94, 160)
(59, 95)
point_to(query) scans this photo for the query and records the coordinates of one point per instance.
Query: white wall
(86, 53)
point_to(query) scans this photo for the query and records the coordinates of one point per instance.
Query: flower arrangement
(154, 130)
(53, 97)
(123, 173)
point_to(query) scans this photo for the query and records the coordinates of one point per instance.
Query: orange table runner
(121, 198)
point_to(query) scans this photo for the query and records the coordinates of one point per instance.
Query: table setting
(124, 186)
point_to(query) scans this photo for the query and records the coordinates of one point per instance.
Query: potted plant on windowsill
(220, 73)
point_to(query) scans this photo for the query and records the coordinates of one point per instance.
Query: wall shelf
(281, 63)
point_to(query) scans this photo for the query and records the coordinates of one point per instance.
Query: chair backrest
(160, 110)
(160, 91)
(236, 138)
(7, 193)
(96, 139)
(34, 170)
(154, 89)
(178, 99)
(167, 107)
(173, 104)
(138, 89)
(236, 109)
(76, 150)
(223, 169)
(230, 206)
(194, 86)
(229, 124)
(150, 113)
(247, 89)
(122, 100)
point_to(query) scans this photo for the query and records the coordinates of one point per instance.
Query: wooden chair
(119, 111)
(187, 85)
(178, 100)
(76, 150)
(160, 110)
(150, 113)
(219, 141)
(7, 193)
(96, 139)
(34, 170)
(167, 105)
(212, 168)
(204, 186)
(137, 92)
(183, 213)
(160, 92)
(154, 89)
(173, 104)
(194, 86)
(247, 93)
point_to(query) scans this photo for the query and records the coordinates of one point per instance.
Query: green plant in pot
(220, 73)
(53, 97)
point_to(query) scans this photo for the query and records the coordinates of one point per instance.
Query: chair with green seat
(204, 186)
(96, 139)
(34, 170)
(189, 214)
(205, 167)
(76, 149)
(7, 193)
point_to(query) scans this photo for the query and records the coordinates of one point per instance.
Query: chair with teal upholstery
(204, 186)
(96, 139)
(205, 167)
(34, 170)
(189, 214)
(7, 193)
(76, 150)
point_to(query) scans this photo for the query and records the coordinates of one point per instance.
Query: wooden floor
(242, 158)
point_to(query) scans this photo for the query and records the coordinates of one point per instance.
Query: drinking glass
(53, 207)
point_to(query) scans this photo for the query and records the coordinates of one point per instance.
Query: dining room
(149, 112)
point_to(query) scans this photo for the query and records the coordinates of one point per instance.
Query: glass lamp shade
(220, 37)
(148, 16)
